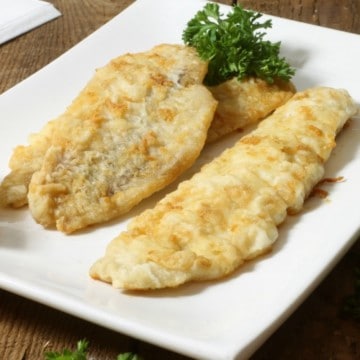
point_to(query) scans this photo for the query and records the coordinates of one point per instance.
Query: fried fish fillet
(140, 122)
(246, 102)
(229, 211)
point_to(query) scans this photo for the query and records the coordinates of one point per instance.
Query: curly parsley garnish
(78, 354)
(235, 46)
(81, 353)
(128, 356)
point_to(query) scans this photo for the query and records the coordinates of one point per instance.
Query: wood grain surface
(317, 330)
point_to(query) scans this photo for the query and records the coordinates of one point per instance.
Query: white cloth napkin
(20, 16)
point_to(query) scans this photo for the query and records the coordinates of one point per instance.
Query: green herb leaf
(234, 45)
(81, 352)
(128, 356)
(78, 354)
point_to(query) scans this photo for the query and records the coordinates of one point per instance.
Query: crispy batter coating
(140, 122)
(229, 211)
(246, 102)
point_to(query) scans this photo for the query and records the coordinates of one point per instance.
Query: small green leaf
(128, 356)
(78, 354)
(81, 353)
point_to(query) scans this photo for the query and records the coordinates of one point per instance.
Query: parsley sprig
(81, 353)
(234, 45)
(78, 354)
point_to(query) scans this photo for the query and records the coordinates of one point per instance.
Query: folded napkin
(20, 16)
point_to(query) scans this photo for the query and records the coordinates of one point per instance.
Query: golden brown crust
(229, 211)
(139, 123)
(246, 102)
(24, 161)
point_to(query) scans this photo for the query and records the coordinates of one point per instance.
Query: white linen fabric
(20, 16)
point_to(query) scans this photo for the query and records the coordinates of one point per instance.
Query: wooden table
(317, 330)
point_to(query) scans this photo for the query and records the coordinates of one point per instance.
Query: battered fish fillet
(229, 211)
(240, 104)
(246, 102)
(139, 123)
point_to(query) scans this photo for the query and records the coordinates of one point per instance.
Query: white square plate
(218, 320)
